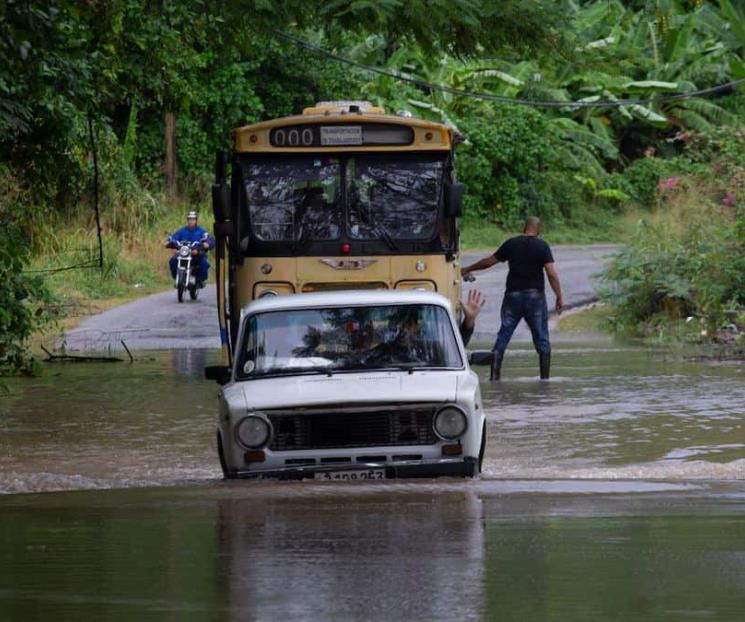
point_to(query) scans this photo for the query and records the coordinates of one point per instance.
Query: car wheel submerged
(223, 464)
(482, 450)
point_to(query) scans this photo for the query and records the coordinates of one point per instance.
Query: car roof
(351, 298)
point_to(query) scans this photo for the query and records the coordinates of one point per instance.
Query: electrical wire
(79, 266)
(538, 103)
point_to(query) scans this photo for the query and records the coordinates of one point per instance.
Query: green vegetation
(682, 276)
(160, 84)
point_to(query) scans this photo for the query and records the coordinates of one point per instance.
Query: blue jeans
(530, 305)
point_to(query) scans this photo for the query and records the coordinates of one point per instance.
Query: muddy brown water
(616, 491)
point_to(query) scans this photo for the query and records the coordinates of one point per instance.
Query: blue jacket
(193, 235)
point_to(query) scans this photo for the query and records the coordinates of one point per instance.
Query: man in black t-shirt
(528, 257)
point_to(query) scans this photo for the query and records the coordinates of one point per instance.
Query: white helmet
(191, 214)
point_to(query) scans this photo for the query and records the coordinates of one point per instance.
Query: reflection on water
(374, 557)
(365, 552)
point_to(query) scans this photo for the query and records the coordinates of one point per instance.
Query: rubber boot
(496, 365)
(545, 365)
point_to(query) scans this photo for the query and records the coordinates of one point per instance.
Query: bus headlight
(449, 423)
(266, 293)
(253, 432)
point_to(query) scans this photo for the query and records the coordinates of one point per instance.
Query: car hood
(366, 388)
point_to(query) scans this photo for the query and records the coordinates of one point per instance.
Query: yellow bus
(343, 196)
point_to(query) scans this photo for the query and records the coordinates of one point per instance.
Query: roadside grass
(593, 319)
(135, 262)
(592, 228)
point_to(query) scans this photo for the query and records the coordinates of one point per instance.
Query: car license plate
(352, 475)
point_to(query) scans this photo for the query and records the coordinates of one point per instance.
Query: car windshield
(347, 339)
(294, 199)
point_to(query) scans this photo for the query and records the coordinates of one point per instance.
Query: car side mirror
(219, 373)
(454, 200)
(480, 357)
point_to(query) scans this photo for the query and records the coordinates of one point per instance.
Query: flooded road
(616, 491)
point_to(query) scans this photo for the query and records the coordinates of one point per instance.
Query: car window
(349, 338)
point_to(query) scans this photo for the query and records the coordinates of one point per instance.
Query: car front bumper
(446, 467)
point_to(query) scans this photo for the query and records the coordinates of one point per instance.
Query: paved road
(576, 266)
(160, 322)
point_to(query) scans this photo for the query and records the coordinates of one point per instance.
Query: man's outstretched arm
(481, 264)
(553, 280)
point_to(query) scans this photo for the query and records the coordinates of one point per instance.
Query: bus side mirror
(220, 189)
(219, 373)
(480, 357)
(454, 200)
(221, 202)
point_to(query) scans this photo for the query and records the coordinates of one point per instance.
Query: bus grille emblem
(348, 264)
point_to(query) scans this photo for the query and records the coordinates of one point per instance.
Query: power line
(396, 75)
(78, 266)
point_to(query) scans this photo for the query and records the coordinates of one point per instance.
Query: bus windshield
(398, 196)
(349, 339)
(294, 199)
(300, 198)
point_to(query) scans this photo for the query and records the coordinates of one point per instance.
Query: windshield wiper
(282, 371)
(409, 367)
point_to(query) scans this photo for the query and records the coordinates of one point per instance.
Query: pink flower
(730, 199)
(668, 184)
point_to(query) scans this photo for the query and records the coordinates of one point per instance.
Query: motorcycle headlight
(253, 432)
(450, 423)
(184, 251)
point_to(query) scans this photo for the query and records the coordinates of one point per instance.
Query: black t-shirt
(526, 255)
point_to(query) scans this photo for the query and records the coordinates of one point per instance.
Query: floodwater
(614, 492)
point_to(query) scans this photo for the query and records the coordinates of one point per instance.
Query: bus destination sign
(332, 135)
(337, 135)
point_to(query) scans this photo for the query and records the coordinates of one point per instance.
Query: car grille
(324, 430)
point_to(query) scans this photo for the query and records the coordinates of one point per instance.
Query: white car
(351, 385)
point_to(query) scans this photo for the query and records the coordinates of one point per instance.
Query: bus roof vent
(344, 107)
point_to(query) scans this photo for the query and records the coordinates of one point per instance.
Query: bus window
(399, 195)
(294, 199)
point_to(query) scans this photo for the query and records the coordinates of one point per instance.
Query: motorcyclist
(192, 232)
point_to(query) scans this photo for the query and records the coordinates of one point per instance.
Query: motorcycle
(187, 253)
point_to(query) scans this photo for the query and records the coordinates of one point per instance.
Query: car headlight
(184, 251)
(253, 432)
(450, 423)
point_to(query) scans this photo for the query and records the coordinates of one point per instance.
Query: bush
(24, 298)
(668, 273)
(643, 177)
